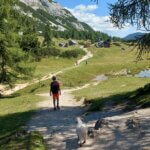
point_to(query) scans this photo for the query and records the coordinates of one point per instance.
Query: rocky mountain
(133, 36)
(49, 12)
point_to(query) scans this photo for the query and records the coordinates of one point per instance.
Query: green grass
(16, 111)
(139, 98)
(31, 141)
(18, 108)
(116, 88)
(105, 61)
(36, 141)
(51, 65)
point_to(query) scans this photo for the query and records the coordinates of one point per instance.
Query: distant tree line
(81, 35)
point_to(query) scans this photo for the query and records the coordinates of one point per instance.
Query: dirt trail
(58, 127)
(117, 135)
(5, 91)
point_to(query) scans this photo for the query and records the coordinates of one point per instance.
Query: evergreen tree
(12, 58)
(29, 41)
(135, 13)
(47, 35)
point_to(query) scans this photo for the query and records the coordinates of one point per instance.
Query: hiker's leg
(58, 103)
(54, 103)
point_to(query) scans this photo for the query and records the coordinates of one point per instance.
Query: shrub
(81, 42)
(50, 51)
(72, 53)
(116, 44)
(86, 45)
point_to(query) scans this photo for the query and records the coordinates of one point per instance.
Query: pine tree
(136, 13)
(12, 58)
(47, 35)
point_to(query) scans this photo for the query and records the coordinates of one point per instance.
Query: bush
(81, 43)
(72, 53)
(50, 51)
(116, 44)
(86, 45)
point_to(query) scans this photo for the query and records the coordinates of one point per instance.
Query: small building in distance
(72, 43)
(106, 43)
(101, 43)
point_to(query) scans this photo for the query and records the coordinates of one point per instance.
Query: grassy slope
(16, 111)
(50, 65)
(105, 61)
(116, 88)
(31, 141)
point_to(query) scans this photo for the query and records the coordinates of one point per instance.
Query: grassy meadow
(116, 89)
(17, 109)
(105, 61)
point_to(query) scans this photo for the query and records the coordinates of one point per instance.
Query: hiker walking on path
(86, 62)
(76, 63)
(55, 92)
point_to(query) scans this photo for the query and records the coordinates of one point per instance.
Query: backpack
(55, 87)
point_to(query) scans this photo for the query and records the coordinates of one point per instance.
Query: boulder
(100, 124)
(91, 132)
(133, 123)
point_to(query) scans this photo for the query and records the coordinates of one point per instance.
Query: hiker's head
(54, 78)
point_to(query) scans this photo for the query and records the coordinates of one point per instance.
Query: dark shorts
(56, 96)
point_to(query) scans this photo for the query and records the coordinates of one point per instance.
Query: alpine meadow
(74, 75)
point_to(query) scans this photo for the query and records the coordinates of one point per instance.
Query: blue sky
(96, 16)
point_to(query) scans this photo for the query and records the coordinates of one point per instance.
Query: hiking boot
(58, 107)
(54, 108)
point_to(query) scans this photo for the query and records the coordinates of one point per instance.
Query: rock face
(52, 13)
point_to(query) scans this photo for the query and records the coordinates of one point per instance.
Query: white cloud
(83, 8)
(85, 14)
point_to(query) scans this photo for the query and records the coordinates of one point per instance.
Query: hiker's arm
(59, 90)
(50, 92)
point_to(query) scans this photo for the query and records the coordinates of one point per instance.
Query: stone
(91, 132)
(132, 123)
(100, 124)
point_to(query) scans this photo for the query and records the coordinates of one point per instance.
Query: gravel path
(57, 127)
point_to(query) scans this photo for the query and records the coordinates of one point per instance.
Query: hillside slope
(49, 12)
(134, 36)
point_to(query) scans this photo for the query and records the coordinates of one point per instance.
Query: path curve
(58, 127)
(21, 86)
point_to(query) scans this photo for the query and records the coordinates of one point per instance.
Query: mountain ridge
(133, 36)
(52, 13)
